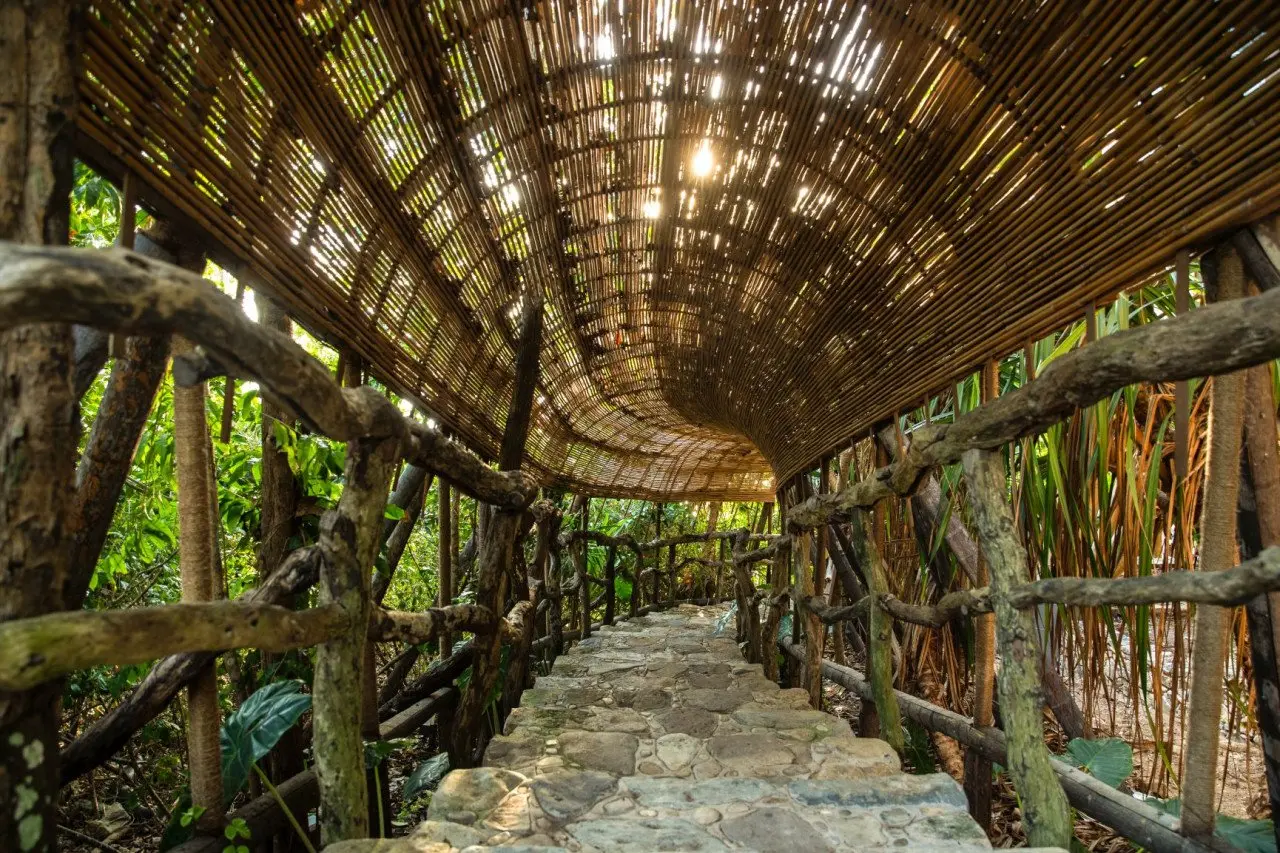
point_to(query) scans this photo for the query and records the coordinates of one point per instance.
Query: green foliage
(426, 776)
(1250, 836)
(236, 830)
(257, 726)
(1109, 760)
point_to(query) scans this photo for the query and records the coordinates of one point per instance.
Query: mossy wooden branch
(401, 627)
(46, 647)
(880, 651)
(1044, 807)
(126, 292)
(1215, 339)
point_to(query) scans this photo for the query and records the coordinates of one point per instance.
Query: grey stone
(690, 721)
(934, 789)
(454, 834)
(566, 795)
(750, 751)
(664, 793)
(620, 835)
(716, 700)
(651, 700)
(476, 790)
(774, 829)
(612, 752)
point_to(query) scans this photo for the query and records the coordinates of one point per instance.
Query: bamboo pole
(1217, 552)
(1044, 808)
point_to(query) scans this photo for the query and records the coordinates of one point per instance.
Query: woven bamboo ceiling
(757, 228)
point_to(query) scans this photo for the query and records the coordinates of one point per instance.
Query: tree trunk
(444, 517)
(196, 560)
(39, 51)
(1217, 552)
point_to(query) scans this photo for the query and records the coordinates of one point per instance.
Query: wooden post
(880, 651)
(1044, 806)
(584, 586)
(814, 631)
(610, 579)
(769, 631)
(633, 604)
(1260, 528)
(745, 592)
(38, 433)
(501, 529)
(1181, 395)
(671, 572)
(349, 535)
(658, 510)
(1217, 552)
(977, 770)
(444, 521)
(229, 387)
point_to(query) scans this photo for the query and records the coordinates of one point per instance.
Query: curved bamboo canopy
(757, 228)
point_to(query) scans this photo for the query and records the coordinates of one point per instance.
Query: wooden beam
(41, 648)
(526, 382)
(125, 292)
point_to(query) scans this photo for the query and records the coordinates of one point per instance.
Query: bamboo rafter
(399, 176)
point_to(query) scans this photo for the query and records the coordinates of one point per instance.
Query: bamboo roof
(758, 228)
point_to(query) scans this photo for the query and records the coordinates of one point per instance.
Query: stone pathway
(656, 735)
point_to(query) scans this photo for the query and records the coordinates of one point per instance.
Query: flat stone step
(656, 735)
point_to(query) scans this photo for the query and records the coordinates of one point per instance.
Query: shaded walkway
(656, 735)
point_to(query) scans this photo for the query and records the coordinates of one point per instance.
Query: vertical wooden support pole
(1044, 806)
(811, 673)
(720, 558)
(880, 651)
(584, 587)
(1217, 552)
(977, 770)
(444, 521)
(501, 530)
(555, 613)
(659, 511)
(610, 580)
(671, 572)
(1181, 392)
(350, 535)
(745, 593)
(633, 605)
(769, 631)
(38, 424)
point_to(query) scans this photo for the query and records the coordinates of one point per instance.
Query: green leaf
(257, 726)
(426, 777)
(1251, 836)
(1109, 760)
(393, 513)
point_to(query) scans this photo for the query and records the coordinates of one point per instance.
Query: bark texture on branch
(1044, 808)
(109, 733)
(880, 651)
(126, 292)
(399, 626)
(1216, 339)
(41, 648)
(349, 535)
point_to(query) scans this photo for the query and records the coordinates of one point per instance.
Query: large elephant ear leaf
(1251, 836)
(1109, 760)
(256, 727)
